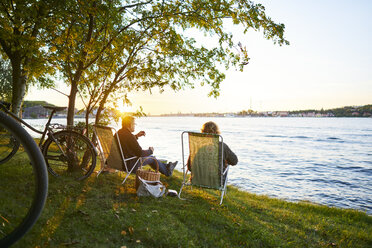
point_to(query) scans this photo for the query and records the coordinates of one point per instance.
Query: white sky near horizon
(328, 64)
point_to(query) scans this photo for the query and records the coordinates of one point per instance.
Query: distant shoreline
(35, 110)
(237, 116)
(217, 116)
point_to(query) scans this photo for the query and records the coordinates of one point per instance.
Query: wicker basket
(148, 175)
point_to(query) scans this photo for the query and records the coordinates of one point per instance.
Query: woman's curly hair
(210, 127)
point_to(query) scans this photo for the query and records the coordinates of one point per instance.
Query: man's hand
(140, 133)
(151, 148)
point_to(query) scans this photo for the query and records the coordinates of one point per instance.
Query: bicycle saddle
(55, 108)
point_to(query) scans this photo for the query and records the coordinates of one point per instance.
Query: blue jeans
(151, 160)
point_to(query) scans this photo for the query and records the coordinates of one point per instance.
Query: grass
(100, 212)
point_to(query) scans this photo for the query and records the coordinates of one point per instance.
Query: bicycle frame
(43, 133)
(67, 155)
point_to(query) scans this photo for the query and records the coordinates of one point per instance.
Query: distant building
(282, 113)
(35, 112)
(39, 111)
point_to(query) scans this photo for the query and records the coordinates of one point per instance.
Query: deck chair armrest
(135, 157)
(127, 159)
(226, 170)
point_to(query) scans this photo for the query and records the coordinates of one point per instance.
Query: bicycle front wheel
(23, 184)
(68, 153)
(8, 145)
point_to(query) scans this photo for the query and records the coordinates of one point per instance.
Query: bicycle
(66, 151)
(23, 188)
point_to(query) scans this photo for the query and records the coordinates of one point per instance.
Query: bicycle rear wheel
(69, 153)
(23, 184)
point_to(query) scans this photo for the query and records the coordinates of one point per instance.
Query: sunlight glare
(124, 108)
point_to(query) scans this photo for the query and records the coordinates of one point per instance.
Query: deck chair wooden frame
(108, 143)
(216, 181)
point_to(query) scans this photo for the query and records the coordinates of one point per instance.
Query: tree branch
(7, 49)
(8, 14)
(134, 5)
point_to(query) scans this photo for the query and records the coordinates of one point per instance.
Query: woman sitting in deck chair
(208, 161)
(229, 156)
(131, 148)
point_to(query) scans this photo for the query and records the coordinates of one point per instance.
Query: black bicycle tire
(11, 154)
(50, 140)
(41, 185)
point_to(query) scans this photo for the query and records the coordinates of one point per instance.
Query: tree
(102, 47)
(5, 81)
(24, 31)
(82, 35)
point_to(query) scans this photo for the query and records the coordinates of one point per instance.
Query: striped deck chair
(205, 162)
(111, 154)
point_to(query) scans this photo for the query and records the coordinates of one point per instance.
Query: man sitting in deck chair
(131, 147)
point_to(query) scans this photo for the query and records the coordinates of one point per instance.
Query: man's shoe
(171, 167)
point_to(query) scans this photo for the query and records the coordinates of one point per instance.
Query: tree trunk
(72, 165)
(98, 114)
(103, 101)
(19, 85)
(71, 104)
(87, 121)
(101, 107)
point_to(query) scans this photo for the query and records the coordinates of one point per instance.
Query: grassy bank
(100, 212)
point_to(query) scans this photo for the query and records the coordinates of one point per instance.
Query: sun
(124, 108)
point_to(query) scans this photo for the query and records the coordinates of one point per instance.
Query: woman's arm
(229, 155)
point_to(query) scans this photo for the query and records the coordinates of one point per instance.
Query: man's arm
(128, 140)
(140, 134)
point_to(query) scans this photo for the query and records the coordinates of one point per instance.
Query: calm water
(323, 160)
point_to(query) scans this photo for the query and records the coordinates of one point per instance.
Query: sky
(328, 64)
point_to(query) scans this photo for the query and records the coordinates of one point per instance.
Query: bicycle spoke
(51, 157)
(8, 145)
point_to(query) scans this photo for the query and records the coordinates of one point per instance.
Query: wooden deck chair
(205, 162)
(111, 154)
